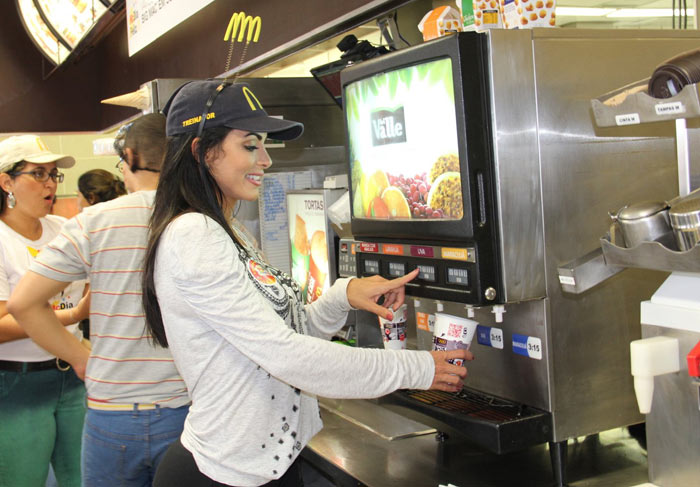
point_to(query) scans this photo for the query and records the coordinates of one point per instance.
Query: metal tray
(631, 105)
(650, 255)
(492, 423)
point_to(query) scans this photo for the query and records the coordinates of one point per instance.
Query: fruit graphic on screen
(445, 163)
(395, 202)
(378, 209)
(446, 195)
(371, 187)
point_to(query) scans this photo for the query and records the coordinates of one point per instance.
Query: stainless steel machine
(552, 358)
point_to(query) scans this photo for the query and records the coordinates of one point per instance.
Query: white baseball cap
(29, 148)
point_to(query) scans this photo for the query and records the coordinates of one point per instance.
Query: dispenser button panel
(397, 269)
(347, 258)
(457, 276)
(426, 273)
(449, 273)
(371, 266)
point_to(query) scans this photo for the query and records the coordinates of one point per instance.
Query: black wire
(685, 14)
(397, 29)
(673, 14)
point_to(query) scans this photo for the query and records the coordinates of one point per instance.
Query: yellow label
(455, 254)
(491, 17)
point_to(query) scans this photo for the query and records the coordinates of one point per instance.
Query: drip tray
(492, 423)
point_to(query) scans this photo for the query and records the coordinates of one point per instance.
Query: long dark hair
(98, 185)
(185, 185)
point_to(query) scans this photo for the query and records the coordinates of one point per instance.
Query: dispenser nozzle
(498, 311)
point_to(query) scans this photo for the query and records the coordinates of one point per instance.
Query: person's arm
(10, 330)
(328, 314)
(213, 284)
(29, 305)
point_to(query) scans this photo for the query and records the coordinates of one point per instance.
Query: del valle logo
(388, 127)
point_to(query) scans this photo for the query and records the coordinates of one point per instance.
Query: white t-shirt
(16, 255)
(254, 357)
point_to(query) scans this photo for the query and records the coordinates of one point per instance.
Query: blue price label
(489, 336)
(527, 346)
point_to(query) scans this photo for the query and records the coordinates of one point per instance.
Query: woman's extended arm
(29, 305)
(10, 330)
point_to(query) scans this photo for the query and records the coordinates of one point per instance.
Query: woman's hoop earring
(11, 200)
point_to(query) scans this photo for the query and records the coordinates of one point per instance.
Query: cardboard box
(487, 14)
(439, 22)
(526, 14)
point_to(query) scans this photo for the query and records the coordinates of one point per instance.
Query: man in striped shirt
(137, 401)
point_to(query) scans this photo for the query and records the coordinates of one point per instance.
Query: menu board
(41, 34)
(309, 243)
(72, 19)
(403, 144)
(272, 207)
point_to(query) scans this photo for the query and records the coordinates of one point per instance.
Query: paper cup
(394, 331)
(453, 333)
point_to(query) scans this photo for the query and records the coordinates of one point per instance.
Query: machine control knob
(693, 359)
(490, 293)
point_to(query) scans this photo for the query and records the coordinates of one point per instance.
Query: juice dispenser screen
(402, 138)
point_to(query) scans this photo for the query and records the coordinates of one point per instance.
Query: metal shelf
(631, 105)
(650, 255)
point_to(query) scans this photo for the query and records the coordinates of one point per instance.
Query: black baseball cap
(236, 107)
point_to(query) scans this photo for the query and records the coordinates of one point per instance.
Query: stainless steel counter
(352, 455)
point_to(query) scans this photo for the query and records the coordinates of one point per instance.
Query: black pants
(178, 468)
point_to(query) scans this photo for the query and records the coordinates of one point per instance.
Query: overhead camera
(354, 51)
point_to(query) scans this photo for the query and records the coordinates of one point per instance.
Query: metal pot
(642, 222)
(685, 220)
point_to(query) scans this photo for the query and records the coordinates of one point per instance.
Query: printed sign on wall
(147, 20)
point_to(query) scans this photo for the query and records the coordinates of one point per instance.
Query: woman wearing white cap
(42, 400)
(252, 354)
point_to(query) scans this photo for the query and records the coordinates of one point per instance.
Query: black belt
(54, 363)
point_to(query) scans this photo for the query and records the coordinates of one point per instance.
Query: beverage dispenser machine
(474, 158)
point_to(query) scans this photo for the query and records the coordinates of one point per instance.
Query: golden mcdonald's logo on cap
(248, 95)
(41, 144)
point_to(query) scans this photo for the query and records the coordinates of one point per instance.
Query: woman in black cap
(252, 355)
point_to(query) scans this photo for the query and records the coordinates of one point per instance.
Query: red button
(694, 361)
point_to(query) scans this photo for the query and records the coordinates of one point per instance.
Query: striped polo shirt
(106, 243)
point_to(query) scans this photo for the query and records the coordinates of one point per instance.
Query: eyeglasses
(120, 140)
(119, 146)
(42, 175)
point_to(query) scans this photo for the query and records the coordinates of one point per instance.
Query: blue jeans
(41, 419)
(124, 448)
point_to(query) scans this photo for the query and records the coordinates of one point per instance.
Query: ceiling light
(647, 12)
(583, 12)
